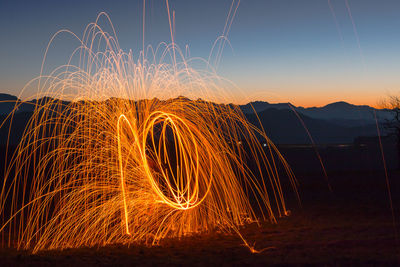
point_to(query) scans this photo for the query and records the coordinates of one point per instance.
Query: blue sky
(282, 50)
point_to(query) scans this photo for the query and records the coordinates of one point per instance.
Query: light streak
(313, 145)
(355, 32)
(336, 22)
(128, 161)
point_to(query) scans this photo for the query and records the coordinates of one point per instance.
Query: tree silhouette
(392, 105)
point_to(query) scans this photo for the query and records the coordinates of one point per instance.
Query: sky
(308, 52)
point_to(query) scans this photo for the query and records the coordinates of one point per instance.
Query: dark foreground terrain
(351, 226)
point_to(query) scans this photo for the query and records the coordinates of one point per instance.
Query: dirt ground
(352, 225)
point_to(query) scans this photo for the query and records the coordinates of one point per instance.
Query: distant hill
(14, 134)
(338, 122)
(339, 113)
(259, 106)
(284, 127)
(7, 103)
(343, 110)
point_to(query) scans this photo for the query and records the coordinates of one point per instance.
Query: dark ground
(351, 226)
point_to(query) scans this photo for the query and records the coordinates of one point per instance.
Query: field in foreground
(351, 226)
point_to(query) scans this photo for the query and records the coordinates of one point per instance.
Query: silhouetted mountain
(13, 131)
(339, 113)
(338, 122)
(4, 97)
(259, 106)
(343, 110)
(7, 103)
(284, 127)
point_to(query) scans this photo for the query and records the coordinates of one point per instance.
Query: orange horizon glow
(371, 100)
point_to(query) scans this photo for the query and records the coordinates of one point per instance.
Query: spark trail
(146, 165)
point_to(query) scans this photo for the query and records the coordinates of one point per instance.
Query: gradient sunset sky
(307, 52)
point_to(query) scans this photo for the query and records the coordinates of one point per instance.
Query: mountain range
(284, 123)
(341, 113)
